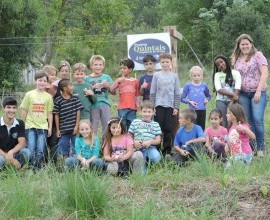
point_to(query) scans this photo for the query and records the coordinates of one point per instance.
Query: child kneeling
(189, 138)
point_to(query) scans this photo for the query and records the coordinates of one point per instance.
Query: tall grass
(82, 195)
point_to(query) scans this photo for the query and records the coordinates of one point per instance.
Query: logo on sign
(147, 46)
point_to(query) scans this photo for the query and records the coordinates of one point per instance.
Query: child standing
(149, 62)
(227, 84)
(52, 77)
(189, 138)
(83, 90)
(67, 109)
(239, 134)
(129, 97)
(165, 95)
(196, 94)
(87, 148)
(37, 107)
(101, 84)
(216, 135)
(146, 133)
(52, 141)
(118, 150)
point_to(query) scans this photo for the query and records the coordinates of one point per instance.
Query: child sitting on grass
(147, 133)
(118, 150)
(239, 135)
(216, 135)
(189, 138)
(87, 148)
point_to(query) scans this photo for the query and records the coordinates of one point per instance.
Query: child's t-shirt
(143, 130)
(220, 134)
(67, 110)
(165, 90)
(196, 93)
(85, 100)
(148, 79)
(102, 94)
(244, 139)
(85, 150)
(183, 135)
(38, 105)
(220, 83)
(119, 145)
(128, 94)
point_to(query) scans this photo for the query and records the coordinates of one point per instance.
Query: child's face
(97, 66)
(41, 83)
(183, 121)
(196, 76)
(85, 130)
(220, 64)
(147, 114)
(64, 72)
(79, 75)
(166, 64)
(69, 89)
(125, 71)
(215, 120)
(115, 129)
(52, 76)
(10, 111)
(230, 116)
(149, 66)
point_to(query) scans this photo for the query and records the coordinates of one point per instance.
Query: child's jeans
(152, 154)
(127, 115)
(66, 145)
(22, 156)
(36, 142)
(72, 162)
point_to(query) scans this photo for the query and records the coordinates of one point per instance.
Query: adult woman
(253, 68)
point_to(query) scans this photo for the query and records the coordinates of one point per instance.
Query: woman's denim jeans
(255, 114)
(36, 143)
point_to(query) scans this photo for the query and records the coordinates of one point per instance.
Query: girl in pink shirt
(118, 150)
(239, 134)
(216, 135)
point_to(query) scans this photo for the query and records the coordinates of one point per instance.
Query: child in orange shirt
(129, 94)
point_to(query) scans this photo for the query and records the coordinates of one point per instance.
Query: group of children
(65, 116)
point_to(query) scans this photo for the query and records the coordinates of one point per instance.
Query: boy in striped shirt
(67, 110)
(146, 133)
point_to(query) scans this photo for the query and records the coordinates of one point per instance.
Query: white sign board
(140, 45)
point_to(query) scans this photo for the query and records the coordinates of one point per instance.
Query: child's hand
(205, 101)
(120, 80)
(58, 133)
(138, 144)
(15, 163)
(240, 127)
(144, 85)
(175, 111)
(147, 143)
(188, 143)
(226, 148)
(76, 130)
(194, 104)
(88, 92)
(106, 85)
(97, 85)
(184, 152)
(49, 132)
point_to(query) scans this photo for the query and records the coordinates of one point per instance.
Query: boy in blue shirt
(189, 138)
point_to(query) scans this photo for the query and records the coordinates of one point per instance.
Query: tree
(17, 23)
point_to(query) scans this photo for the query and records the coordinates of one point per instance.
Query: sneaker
(260, 153)
(168, 157)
